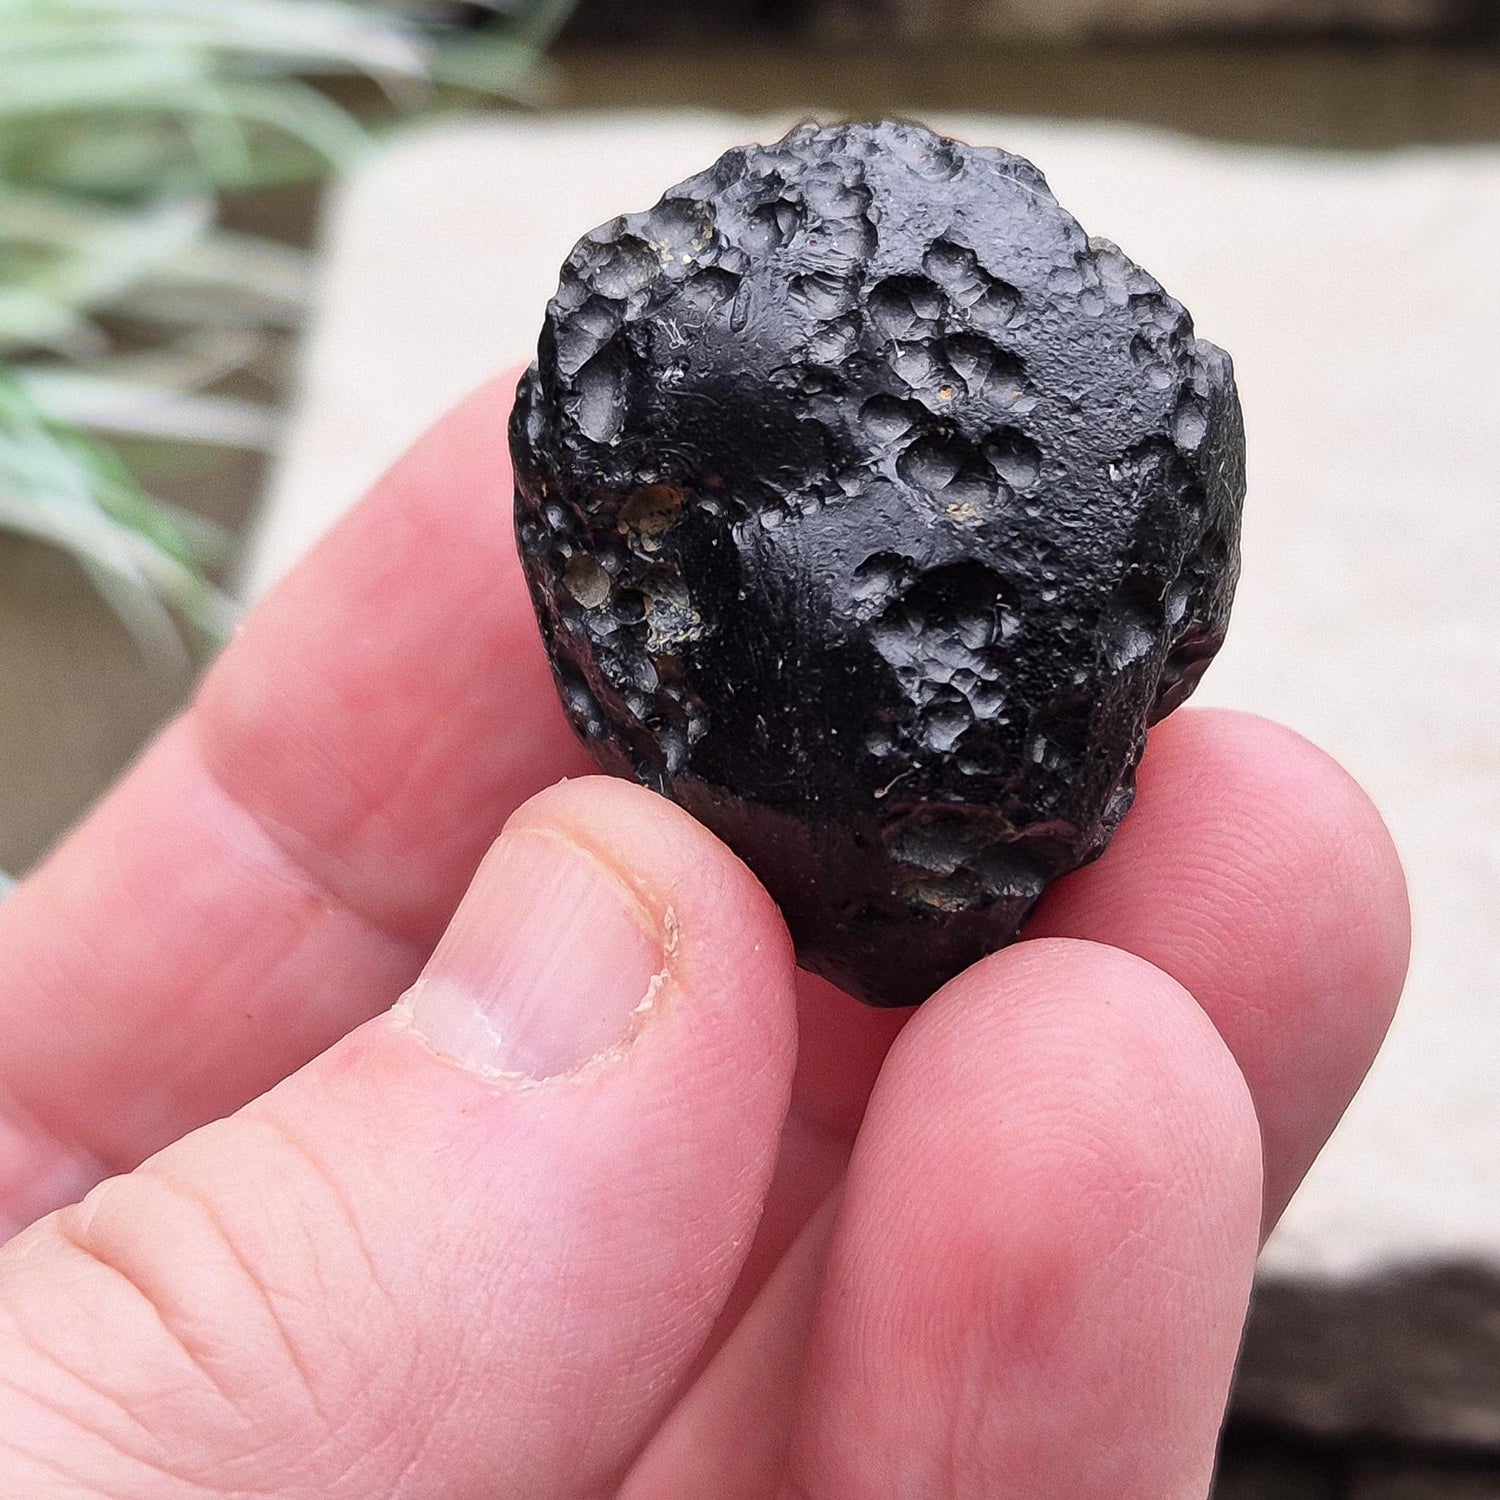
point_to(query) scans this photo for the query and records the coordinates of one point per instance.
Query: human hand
(615, 1202)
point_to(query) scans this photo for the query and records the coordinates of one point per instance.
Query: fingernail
(550, 962)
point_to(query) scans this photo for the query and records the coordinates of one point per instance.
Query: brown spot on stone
(651, 511)
(586, 581)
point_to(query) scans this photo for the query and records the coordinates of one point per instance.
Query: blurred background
(199, 219)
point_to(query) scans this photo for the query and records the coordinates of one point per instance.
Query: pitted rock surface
(872, 510)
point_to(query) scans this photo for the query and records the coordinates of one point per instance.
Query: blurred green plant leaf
(62, 279)
(60, 488)
(121, 124)
(132, 408)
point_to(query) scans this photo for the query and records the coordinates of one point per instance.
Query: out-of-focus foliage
(123, 302)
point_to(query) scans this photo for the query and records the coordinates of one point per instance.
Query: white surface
(1360, 298)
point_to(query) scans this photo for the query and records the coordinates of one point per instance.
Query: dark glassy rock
(872, 510)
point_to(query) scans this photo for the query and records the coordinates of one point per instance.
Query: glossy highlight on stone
(871, 511)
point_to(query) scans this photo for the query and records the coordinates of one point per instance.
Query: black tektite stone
(872, 510)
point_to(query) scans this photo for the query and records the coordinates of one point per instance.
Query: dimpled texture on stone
(872, 510)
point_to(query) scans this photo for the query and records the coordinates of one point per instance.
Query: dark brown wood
(1305, 95)
(1411, 1358)
(656, 21)
(1421, 1481)
(1275, 1471)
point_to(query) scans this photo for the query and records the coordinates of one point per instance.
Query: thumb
(473, 1248)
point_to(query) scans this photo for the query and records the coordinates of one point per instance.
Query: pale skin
(270, 1237)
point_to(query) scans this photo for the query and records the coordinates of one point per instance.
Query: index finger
(279, 863)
